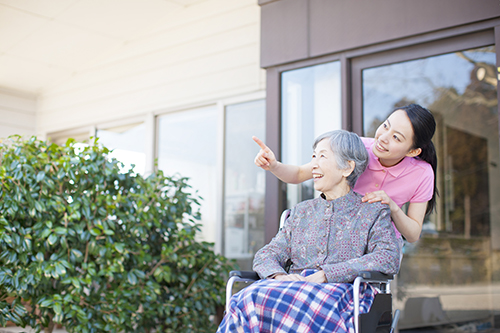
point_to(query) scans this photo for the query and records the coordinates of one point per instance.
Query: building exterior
(182, 85)
(348, 64)
(166, 82)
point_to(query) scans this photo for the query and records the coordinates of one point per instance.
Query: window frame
(220, 106)
(352, 63)
(413, 52)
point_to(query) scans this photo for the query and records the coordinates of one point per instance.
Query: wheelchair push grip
(250, 275)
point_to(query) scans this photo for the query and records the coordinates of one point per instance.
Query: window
(80, 135)
(244, 183)
(187, 146)
(127, 141)
(446, 276)
(311, 105)
(127, 144)
(213, 147)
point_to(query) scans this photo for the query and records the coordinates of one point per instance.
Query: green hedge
(94, 249)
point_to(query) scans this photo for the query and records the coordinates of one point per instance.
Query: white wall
(206, 54)
(209, 51)
(17, 114)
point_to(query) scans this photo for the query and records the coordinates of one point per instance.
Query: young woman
(402, 167)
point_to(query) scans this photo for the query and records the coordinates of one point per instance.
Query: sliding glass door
(449, 278)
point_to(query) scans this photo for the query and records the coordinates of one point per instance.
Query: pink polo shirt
(411, 180)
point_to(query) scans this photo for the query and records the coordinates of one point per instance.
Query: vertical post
(92, 133)
(345, 77)
(355, 94)
(274, 194)
(149, 143)
(219, 214)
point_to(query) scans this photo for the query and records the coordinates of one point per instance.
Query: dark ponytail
(424, 127)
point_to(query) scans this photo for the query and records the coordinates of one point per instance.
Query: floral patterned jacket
(342, 237)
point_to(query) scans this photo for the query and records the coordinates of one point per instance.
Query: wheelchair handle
(249, 275)
(376, 276)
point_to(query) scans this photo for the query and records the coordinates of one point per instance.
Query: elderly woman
(324, 243)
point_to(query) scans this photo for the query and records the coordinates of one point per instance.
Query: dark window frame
(413, 52)
(352, 63)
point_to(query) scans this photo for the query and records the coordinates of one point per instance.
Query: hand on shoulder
(382, 197)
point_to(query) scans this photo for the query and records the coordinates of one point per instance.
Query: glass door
(449, 279)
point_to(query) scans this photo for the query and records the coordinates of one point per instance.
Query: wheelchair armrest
(370, 277)
(250, 275)
(376, 276)
(238, 276)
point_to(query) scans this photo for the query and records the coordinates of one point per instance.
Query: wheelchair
(377, 320)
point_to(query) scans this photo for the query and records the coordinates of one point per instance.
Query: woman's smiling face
(394, 139)
(328, 178)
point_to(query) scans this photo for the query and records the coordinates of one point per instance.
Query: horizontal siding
(241, 80)
(214, 55)
(7, 130)
(17, 101)
(17, 114)
(205, 9)
(185, 71)
(172, 56)
(225, 19)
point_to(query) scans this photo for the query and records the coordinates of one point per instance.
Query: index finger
(260, 143)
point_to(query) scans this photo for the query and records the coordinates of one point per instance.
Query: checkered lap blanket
(284, 306)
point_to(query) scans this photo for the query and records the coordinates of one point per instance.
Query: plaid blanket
(284, 306)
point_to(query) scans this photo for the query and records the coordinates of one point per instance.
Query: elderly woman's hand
(318, 277)
(289, 277)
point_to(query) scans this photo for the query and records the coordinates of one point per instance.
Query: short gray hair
(347, 146)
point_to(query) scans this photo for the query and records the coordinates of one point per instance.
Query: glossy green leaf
(95, 232)
(52, 239)
(47, 303)
(40, 176)
(45, 233)
(76, 253)
(57, 308)
(109, 232)
(39, 206)
(132, 278)
(119, 247)
(61, 231)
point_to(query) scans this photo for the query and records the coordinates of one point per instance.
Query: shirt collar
(395, 170)
(344, 203)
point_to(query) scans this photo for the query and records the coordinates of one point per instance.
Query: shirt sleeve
(425, 188)
(272, 258)
(382, 254)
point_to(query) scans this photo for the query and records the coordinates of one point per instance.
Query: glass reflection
(450, 278)
(187, 143)
(127, 144)
(244, 186)
(311, 105)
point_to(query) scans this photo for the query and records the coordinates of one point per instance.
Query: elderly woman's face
(328, 178)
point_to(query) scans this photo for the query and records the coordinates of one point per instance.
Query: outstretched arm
(291, 174)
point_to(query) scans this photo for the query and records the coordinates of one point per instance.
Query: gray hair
(347, 146)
